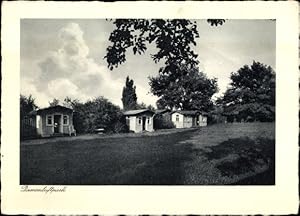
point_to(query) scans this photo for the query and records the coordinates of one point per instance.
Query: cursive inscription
(44, 189)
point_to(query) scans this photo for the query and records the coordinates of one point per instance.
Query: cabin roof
(136, 112)
(190, 112)
(57, 108)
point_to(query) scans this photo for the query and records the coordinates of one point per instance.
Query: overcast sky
(64, 57)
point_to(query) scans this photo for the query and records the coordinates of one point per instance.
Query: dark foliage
(174, 39)
(216, 116)
(129, 98)
(216, 22)
(145, 106)
(251, 96)
(189, 90)
(27, 104)
(27, 125)
(97, 113)
(162, 122)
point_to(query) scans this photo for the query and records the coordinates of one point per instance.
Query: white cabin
(139, 120)
(188, 118)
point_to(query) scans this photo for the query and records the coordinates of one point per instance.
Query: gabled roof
(136, 112)
(190, 112)
(56, 108)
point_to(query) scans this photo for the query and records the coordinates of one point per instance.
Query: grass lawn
(238, 153)
(219, 154)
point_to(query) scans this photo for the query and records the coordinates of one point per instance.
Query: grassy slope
(218, 154)
(233, 154)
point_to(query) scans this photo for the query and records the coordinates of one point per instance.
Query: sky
(64, 57)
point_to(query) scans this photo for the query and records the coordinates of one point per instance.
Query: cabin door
(57, 121)
(144, 123)
(196, 121)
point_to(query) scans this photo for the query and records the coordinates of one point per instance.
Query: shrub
(98, 113)
(121, 126)
(163, 122)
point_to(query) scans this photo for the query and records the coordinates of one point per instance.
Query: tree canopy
(172, 37)
(189, 90)
(251, 95)
(174, 40)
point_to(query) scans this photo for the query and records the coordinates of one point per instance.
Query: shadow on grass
(156, 160)
(244, 155)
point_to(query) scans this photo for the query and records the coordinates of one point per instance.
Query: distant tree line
(250, 97)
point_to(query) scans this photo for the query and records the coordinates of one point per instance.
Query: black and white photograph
(147, 102)
(161, 107)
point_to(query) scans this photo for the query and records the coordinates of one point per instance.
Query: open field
(241, 153)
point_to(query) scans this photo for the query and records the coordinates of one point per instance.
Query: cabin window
(148, 120)
(177, 118)
(140, 120)
(66, 120)
(49, 120)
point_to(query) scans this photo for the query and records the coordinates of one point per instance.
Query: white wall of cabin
(45, 130)
(188, 121)
(178, 124)
(136, 126)
(202, 121)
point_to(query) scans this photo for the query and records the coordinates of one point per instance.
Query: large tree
(129, 98)
(173, 38)
(190, 89)
(251, 95)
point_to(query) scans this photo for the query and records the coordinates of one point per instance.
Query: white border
(279, 199)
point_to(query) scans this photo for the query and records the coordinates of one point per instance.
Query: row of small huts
(58, 120)
(143, 119)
